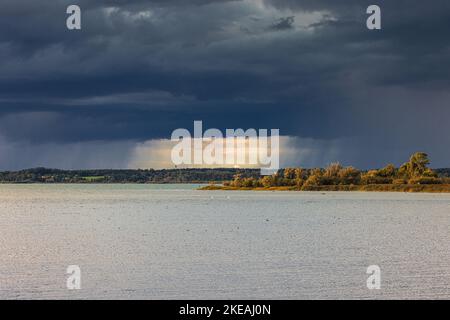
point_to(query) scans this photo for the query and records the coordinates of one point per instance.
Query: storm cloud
(140, 69)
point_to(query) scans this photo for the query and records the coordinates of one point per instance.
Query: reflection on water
(167, 242)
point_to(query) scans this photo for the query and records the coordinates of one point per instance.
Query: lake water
(174, 242)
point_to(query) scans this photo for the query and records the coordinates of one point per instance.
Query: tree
(418, 164)
(299, 174)
(374, 177)
(315, 179)
(267, 181)
(237, 180)
(416, 167)
(349, 175)
(387, 172)
(332, 171)
(249, 183)
(430, 173)
(404, 170)
(299, 177)
(289, 173)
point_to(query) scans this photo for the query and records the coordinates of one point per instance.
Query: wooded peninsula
(412, 176)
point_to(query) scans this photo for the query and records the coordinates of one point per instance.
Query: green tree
(299, 177)
(299, 173)
(419, 164)
(416, 166)
(267, 181)
(349, 175)
(289, 173)
(315, 179)
(249, 183)
(237, 180)
(387, 172)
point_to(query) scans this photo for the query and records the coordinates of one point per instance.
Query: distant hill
(45, 175)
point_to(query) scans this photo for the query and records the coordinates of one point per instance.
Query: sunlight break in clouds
(294, 151)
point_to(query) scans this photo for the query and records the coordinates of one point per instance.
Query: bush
(399, 181)
(387, 172)
(369, 179)
(249, 183)
(349, 176)
(299, 182)
(313, 181)
(425, 180)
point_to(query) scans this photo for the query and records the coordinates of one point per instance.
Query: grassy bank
(437, 188)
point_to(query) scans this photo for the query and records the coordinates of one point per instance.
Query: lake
(175, 242)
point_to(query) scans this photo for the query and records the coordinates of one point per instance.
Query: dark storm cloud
(284, 23)
(139, 69)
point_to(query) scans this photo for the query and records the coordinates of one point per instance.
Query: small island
(412, 176)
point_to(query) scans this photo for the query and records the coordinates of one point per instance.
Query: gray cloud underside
(140, 69)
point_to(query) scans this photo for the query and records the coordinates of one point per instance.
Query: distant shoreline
(439, 188)
(412, 176)
(103, 183)
(124, 176)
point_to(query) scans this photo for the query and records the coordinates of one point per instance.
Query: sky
(110, 95)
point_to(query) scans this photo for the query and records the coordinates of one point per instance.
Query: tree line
(415, 171)
(44, 175)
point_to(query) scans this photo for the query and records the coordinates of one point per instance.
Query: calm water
(167, 242)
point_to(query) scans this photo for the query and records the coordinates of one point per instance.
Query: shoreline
(104, 183)
(431, 188)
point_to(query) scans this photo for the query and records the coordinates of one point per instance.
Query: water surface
(174, 242)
